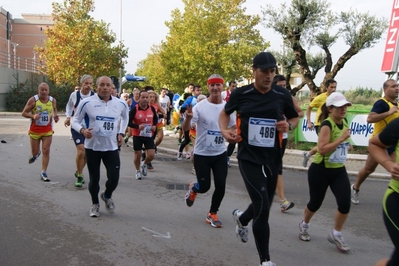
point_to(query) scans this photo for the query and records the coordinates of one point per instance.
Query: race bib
(262, 132)
(214, 140)
(104, 126)
(43, 120)
(146, 132)
(340, 153)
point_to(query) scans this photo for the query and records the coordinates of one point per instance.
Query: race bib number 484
(262, 132)
(104, 126)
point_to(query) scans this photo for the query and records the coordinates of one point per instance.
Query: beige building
(18, 37)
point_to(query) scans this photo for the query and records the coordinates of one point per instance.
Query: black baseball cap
(264, 60)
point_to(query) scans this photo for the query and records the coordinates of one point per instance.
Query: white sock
(308, 154)
(303, 223)
(337, 233)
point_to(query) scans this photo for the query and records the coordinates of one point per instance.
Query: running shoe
(268, 263)
(33, 158)
(150, 167)
(95, 210)
(193, 170)
(354, 195)
(303, 232)
(188, 155)
(79, 179)
(213, 220)
(179, 156)
(241, 231)
(109, 204)
(44, 177)
(138, 175)
(285, 205)
(144, 168)
(228, 162)
(305, 159)
(190, 195)
(339, 241)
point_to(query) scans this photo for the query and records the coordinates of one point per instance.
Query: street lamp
(120, 42)
(34, 60)
(15, 53)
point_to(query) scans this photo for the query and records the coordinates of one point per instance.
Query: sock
(303, 223)
(308, 154)
(336, 233)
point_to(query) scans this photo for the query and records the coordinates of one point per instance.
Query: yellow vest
(380, 125)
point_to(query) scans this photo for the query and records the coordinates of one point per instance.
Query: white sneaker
(354, 195)
(303, 232)
(144, 169)
(188, 155)
(339, 242)
(138, 175)
(305, 159)
(179, 156)
(95, 210)
(241, 231)
(268, 263)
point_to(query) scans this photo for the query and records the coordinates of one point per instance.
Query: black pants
(112, 164)
(260, 181)
(186, 141)
(391, 220)
(203, 166)
(320, 178)
(230, 149)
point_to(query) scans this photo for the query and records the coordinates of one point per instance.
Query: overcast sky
(143, 26)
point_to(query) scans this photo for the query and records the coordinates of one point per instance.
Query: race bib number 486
(262, 132)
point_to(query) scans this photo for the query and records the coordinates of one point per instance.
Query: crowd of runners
(254, 118)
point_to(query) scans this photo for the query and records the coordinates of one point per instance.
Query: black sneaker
(33, 158)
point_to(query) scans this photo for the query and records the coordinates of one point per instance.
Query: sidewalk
(292, 158)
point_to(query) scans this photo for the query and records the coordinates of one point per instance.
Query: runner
(41, 109)
(143, 120)
(86, 84)
(102, 139)
(209, 151)
(260, 123)
(328, 169)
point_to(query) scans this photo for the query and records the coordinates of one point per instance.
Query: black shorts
(317, 129)
(77, 137)
(138, 143)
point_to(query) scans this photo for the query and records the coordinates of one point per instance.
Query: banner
(360, 130)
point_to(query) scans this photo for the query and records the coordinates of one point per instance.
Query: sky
(143, 25)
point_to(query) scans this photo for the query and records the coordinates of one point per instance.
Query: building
(18, 38)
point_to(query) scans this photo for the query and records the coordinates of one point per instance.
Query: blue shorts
(77, 137)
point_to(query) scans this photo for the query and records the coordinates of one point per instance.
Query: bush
(19, 94)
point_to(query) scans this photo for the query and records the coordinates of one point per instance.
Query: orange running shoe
(213, 220)
(190, 195)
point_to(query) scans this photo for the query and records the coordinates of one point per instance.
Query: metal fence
(9, 60)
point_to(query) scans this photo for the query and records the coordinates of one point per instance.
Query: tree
(311, 23)
(78, 45)
(208, 37)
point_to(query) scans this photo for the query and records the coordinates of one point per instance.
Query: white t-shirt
(209, 140)
(107, 119)
(164, 102)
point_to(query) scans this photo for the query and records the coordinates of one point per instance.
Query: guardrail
(10, 60)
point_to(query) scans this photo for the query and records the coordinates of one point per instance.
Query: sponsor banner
(360, 130)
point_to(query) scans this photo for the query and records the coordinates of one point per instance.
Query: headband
(215, 80)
